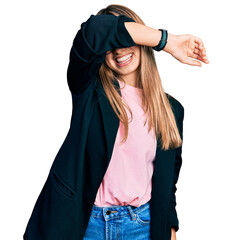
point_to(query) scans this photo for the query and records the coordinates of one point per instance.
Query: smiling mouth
(121, 61)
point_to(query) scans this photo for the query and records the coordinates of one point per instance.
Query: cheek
(110, 63)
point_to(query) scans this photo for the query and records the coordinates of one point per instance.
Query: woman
(115, 174)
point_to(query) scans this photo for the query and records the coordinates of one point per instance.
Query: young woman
(115, 174)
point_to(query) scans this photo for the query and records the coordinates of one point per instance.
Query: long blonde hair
(155, 103)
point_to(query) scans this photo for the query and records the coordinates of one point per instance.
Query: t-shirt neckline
(122, 84)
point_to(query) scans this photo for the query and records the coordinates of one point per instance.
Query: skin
(128, 72)
(187, 49)
(173, 236)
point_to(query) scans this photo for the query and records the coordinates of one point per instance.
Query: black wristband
(163, 40)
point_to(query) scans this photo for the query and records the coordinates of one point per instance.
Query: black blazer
(64, 205)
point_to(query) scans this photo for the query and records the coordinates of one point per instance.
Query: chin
(126, 71)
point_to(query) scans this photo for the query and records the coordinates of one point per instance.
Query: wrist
(170, 43)
(163, 40)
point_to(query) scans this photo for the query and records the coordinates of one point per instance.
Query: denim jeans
(119, 222)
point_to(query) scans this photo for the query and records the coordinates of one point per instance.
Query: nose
(119, 50)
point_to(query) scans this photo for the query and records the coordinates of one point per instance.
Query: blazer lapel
(162, 180)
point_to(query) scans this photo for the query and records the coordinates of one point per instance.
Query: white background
(35, 103)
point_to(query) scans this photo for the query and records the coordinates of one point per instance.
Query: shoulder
(177, 107)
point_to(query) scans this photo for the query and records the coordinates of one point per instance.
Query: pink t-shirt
(128, 176)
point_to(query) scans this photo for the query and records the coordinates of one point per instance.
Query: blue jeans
(119, 222)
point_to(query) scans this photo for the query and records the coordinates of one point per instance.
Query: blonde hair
(155, 103)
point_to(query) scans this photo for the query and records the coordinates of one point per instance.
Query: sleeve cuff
(124, 36)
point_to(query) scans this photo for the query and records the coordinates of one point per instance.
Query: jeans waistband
(115, 211)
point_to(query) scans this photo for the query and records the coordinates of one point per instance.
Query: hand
(173, 236)
(184, 46)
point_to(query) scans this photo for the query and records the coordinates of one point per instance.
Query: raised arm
(185, 48)
(96, 36)
(102, 33)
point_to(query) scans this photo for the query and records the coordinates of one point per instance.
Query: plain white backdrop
(35, 103)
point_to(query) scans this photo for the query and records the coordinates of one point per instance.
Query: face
(124, 61)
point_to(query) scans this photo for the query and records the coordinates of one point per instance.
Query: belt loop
(132, 214)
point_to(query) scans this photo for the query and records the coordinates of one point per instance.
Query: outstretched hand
(186, 48)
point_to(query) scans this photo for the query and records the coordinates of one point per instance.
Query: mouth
(124, 60)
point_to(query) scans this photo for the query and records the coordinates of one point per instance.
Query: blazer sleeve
(173, 218)
(95, 37)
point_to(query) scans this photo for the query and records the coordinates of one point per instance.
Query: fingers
(200, 51)
(197, 54)
(196, 50)
(192, 50)
(192, 62)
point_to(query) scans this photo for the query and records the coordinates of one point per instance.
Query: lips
(124, 60)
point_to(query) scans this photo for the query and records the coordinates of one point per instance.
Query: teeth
(122, 59)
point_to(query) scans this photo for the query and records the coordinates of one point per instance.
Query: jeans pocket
(143, 217)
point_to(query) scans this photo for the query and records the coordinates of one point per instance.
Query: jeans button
(108, 212)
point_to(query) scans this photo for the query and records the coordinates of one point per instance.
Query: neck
(130, 79)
